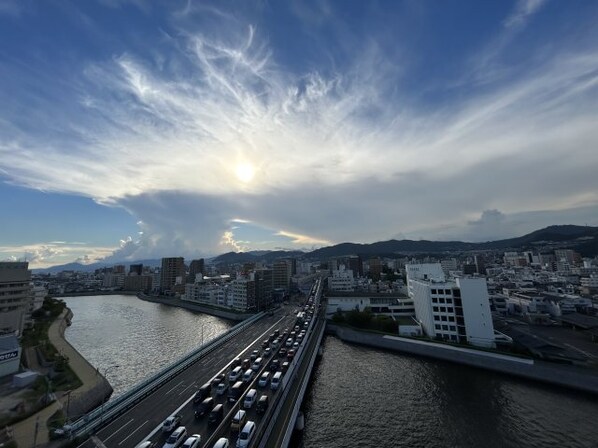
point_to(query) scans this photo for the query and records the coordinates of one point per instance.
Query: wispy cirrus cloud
(344, 154)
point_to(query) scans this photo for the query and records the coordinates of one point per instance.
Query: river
(359, 397)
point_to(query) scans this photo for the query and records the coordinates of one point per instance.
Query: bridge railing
(95, 419)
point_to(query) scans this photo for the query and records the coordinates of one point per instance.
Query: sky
(141, 129)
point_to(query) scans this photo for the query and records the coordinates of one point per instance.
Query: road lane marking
(157, 428)
(138, 428)
(115, 432)
(174, 387)
(190, 385)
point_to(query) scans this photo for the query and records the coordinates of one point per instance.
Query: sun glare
(245, 172)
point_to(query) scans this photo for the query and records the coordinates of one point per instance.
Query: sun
(245, 172)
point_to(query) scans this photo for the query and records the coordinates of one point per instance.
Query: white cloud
(343, 155)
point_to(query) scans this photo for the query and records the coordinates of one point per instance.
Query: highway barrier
(94, 420)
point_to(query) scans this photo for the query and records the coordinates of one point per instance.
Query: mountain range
(584, 239)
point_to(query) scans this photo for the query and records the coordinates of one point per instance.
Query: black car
(282, 352)
(216, 415)
(236, 362)
(274, 365)
(206, 406)
(203, 392)
(262, 404)
(218, 379)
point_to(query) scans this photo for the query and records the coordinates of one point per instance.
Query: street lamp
(106, 370)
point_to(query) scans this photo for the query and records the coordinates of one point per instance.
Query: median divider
(94, 420)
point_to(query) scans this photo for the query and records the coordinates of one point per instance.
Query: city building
(196, 267)
(135, 282)
(341, 280)
(136, 269)
(15, 296)
(453, 311)
(281, 274)
(172, 275)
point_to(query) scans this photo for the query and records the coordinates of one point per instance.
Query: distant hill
(587, 244)
(581, 238)
(254, 256)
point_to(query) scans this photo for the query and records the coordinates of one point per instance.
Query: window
(449, 300)
(442, 300)
(453, 328)
(443, 318)
(447, 292)
(434, 300)
(449, 309)
(445, 327)
(435, 309)
(451, 319)
(433, 291)
(436, 318)
(443, 309)
(453, 337)
(437, 327)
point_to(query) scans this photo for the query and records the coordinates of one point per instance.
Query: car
(274, 365)
(245, 364)
(216, 415)
(218, 379)
(177, 437)
(282, 352)
(262, 404)
(289, 342)
(257, 364)
(192, 442)
(222, 388)
(203, 392)
(171, 422)
(295, 345)
(246, 435)
(290, 354)
(255, 354)
(248, 376)
(265, 343)
(263, 382)
(267, 352)
(222, 443)
(205, 407)
(250, 398)
(236, 362)
(275, 343)
(235, 392)
(285, 366)
(238, 420)
(277, 332)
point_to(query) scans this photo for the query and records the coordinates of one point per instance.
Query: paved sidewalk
(24, 431)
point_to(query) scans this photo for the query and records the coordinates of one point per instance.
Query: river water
(359, 397)
(138, 336)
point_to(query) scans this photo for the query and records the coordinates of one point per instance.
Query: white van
(235, 374)
(248, 376)
(257, 364)
(250, 399)
(246, 435)
(222, 443)
(275, 382)
(263, 382)
(176, 438)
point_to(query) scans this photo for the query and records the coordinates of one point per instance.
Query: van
(275, 383)
(235, 374)
(176, 438)
(238, 421)
(246, 436)
(262, 404)
(250, 399)
(236, 391)
(248, 376)
(216, 415)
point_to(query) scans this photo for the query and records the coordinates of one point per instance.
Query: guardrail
(95, 419)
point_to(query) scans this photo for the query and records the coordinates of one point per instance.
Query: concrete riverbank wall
(574, 377)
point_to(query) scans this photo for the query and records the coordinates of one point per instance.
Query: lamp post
(106, 371)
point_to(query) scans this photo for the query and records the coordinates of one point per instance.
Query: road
(145, 418)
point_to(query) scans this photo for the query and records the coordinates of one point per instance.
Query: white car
(268, 352)
(222, 443)
(192, 442)
(176, 438)
(222, 387)
(263, 382)
(289, 342)
(171, 422)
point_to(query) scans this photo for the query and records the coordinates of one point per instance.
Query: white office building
(454, 311)
(342, 280)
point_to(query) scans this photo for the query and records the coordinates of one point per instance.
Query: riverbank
(171, 301)
(93, 391)
(572, 377)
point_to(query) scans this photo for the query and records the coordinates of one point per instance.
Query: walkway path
(24, 431)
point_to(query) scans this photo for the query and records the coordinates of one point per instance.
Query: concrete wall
(562, 375)
(196, 307)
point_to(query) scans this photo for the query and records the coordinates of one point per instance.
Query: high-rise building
(15, 296)
(375, 268)
(355, 264)
(172, 275)
(453, 311)
(263, 288)
(119, 269)
(341, 280)
(196, 267)
(136, 269)
(281, 274)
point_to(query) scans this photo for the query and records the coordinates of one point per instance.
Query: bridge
(137, 416)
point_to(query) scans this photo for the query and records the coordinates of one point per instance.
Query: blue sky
(134, 129)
